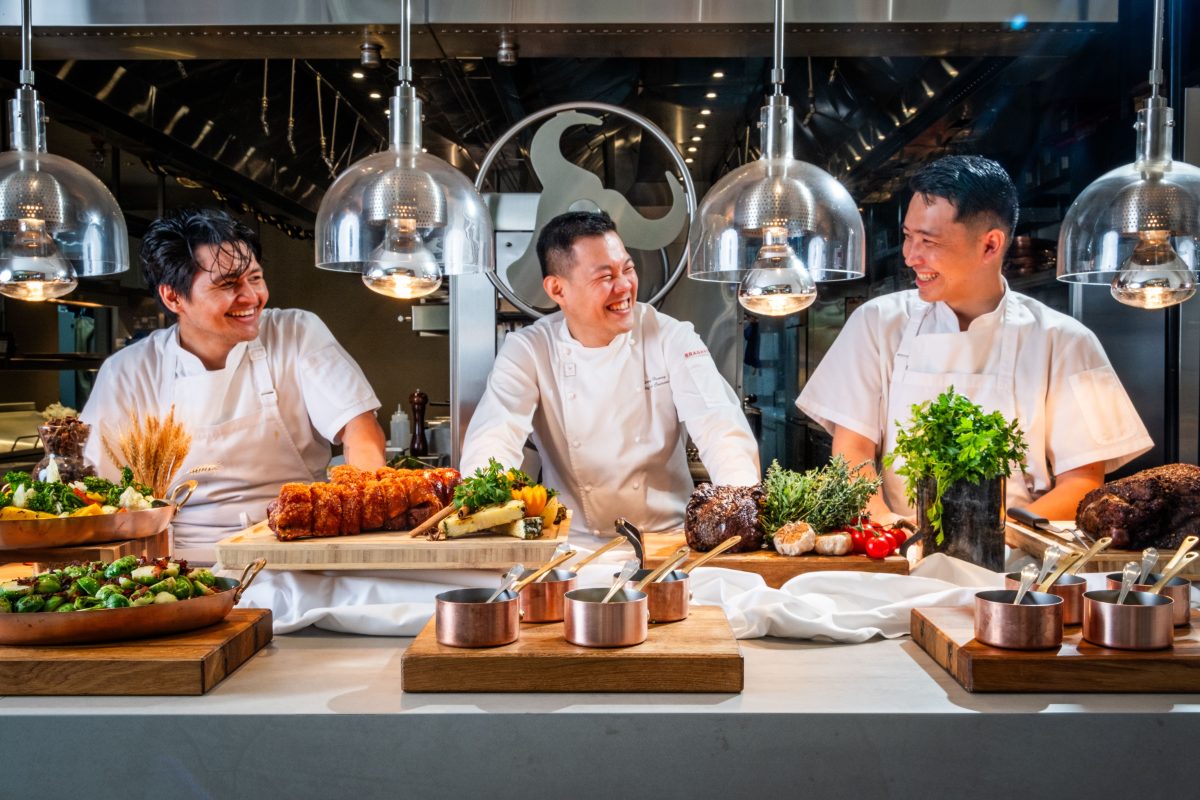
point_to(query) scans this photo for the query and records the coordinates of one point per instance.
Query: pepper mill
(418, 446)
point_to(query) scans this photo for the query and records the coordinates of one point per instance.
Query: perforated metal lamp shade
(821, 218)
(1100, 230)
(80, 213)
(403, 184)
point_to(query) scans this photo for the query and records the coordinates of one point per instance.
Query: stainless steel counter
(321, 714)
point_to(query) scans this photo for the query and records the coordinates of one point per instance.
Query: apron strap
(261, 375)
(899, 366)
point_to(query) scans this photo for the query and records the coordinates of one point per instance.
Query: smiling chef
(964, 327)
(263, 392)
(606, 386)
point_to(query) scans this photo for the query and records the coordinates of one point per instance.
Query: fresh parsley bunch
(490, 485)
(950, 439)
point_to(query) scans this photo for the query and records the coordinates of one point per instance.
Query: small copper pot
(542, 600)
(1178, 589)
(1142, 623)
(620, 622)
(1069, 587)
(669, 598)
(463, 618)
(1036, 624)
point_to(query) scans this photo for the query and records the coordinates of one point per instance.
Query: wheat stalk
(153, 448)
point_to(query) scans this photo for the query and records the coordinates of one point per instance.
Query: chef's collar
(946, 319)
(190, 363)
(564, 334)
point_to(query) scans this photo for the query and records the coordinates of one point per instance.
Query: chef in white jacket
(964, 327)
(606, 387)
(263, 392)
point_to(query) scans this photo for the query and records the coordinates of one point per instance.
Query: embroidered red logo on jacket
(691, 353)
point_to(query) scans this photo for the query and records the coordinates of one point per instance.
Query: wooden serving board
(948, 635)
(50, 557)
(775, 569)
(182, 664)
(698, 654)
(387, 550)
(1035, 542)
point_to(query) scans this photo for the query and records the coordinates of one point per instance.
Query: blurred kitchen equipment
(418, 445)
(1027, 517)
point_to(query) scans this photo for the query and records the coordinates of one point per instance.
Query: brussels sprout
(116, 601)
(122, 566)
(126, 582)
(5, 605)
(65, 607)
(106, 590)
(183, 588)
(165, 585)
(165, 597)
(47, 584)
(15, 591)
(200, 590)
(171, 570)
(88, 584)
(30, 603)
(75, 571)
(144, 599)
(53, 602)
(86, 602)
(146, 575)
(202, 575)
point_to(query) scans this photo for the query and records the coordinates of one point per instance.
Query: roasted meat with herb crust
(1153, 508)
(715, 513)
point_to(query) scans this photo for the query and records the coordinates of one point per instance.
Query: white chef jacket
(1067, 397)
(609, 421)
(264, 427)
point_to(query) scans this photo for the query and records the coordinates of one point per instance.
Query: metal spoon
(665, 567)
(630, 567)
(1187, 544)
(1100, 544)
(1052, 578)
(563, 547)
(1172, 571)
(508, 580)
(1027, 575)
(1149, 559)
(544, 570)
(1050, 560)
(1129, 577)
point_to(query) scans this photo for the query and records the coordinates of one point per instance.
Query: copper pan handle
(614, 542)
(248, 575)
(186, 488)
(716, 551)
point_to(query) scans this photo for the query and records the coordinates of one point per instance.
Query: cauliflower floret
(133, 500)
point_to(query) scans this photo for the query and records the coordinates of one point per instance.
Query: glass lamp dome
(1136, 228)
(777, 226)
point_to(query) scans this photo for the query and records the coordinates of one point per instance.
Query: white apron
(621, 463)
(255, 451)
(994, 389)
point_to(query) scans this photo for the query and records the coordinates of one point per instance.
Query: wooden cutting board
(181, 664)
(50, 557)
(775, 569)
(1035, 543)
(387, 550)
(948, 635)
(698, 654)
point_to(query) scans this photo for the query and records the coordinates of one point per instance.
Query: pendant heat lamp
(58, 222)
(1135, 229)
(779, 225)
(401, 218)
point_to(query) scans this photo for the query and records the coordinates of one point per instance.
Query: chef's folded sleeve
(503, 419)
(847, 387)
(711, 411)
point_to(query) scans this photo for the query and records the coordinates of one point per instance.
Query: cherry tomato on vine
(879, 547)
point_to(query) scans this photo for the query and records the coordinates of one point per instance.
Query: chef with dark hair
(963, 326)
(607, 388)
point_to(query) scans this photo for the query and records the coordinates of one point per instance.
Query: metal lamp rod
(26, 43)
(777, 73)
(406, 73)
(1156, 70)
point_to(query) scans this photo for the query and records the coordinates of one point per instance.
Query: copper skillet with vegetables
(127, 599)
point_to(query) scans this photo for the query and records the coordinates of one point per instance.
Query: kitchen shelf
(53, 361)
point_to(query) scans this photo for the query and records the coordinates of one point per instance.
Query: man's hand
(363, 442)
(1061, 502)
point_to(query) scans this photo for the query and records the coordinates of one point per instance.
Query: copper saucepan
(668, 590)
(620, 622)
(1036, 624)
(542, 589)
(1168, 583)
(1069, 587)
(464, 618)
(1143, 622)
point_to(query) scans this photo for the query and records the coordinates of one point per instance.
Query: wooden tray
(184, 664)
(698, 654)
(390, 550)
(948, 635)
(1035, 543)
(50, 557)
(775, 569)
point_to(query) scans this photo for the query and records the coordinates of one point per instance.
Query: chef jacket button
(636, 484)
(570, 395)
(587, 488)
(575, 443)
(637, 439)
(595, 532)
